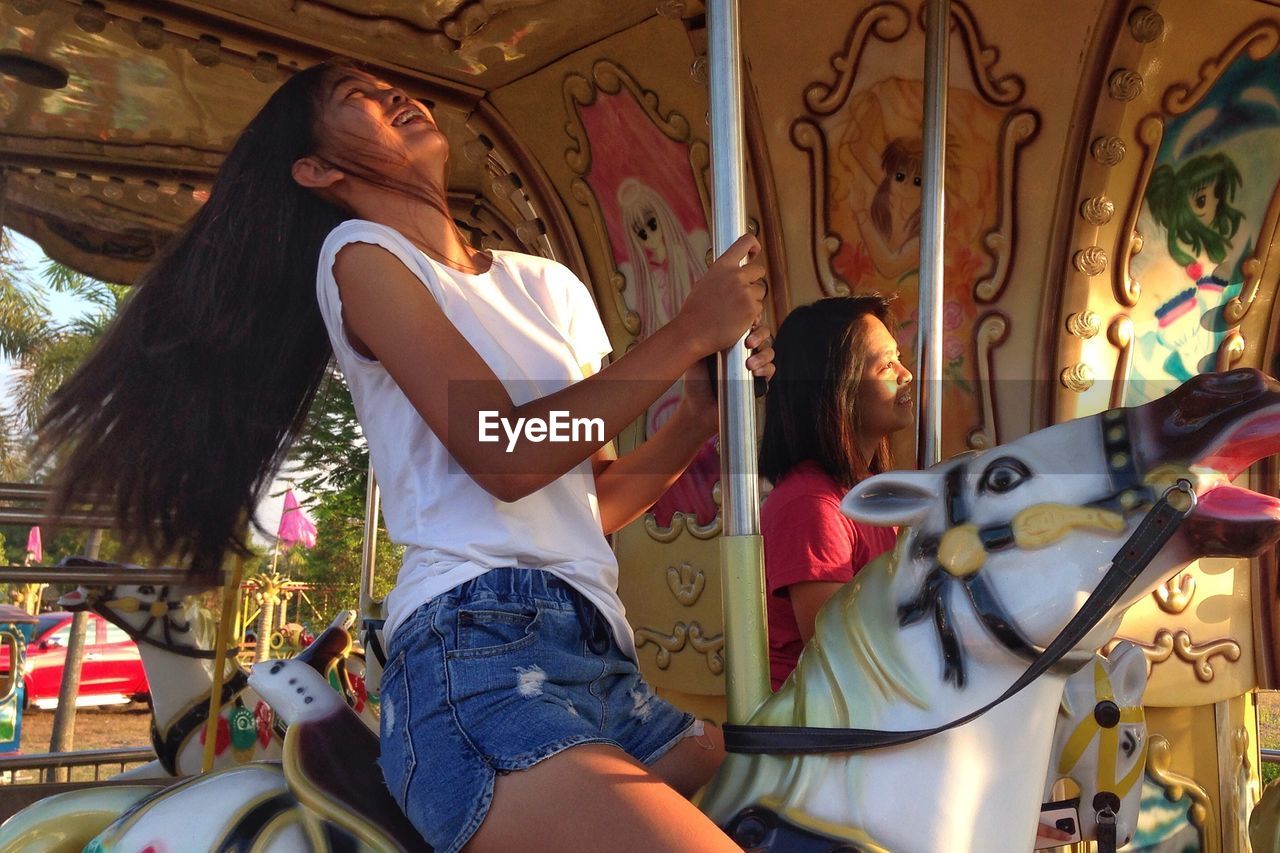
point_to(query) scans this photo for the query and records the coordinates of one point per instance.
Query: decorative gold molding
(1084, 324)
(686, 583)
(710, 646)
(1230, 351)
(1175, 785)
(1006, 90)
(1174, 595)
(1125, 288)
(680, 522)
(617, 283)
(991, 331)
(889, 22)
(1078, 377)
(1145, 24)
(808, 137)
(1018, 129)
(1097, 210)
(1167, 643)
(611, 79)
(1236, 308)
(1120, 336)
(1258, 41)
(1091, 260)
(1124, 84)
(1108, 150)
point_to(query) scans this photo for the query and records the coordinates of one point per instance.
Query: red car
(111, 672)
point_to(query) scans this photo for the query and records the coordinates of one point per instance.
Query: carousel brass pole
(932, 215)
(372, 499)
(741, 548)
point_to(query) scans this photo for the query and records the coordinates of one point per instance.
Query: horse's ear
(894, 497)
(1128, 667)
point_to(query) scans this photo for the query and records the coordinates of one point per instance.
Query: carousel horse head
(1000, 549)
(1025, 531)
(1100, 742)
(168, 617)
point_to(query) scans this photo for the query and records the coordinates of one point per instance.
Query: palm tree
(46, 350)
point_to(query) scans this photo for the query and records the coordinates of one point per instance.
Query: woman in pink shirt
(839, 392)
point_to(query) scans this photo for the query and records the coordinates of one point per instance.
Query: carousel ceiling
(114, 115)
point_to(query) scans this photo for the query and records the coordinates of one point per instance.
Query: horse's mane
(855, 664)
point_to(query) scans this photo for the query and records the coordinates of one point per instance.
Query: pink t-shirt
(807, 538)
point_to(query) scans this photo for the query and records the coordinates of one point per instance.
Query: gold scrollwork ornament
(1091, 260)
(1097, 210)
(1124, 84)
(1108, 150)
(1146, 24)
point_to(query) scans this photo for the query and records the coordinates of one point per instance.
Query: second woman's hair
(811, 410)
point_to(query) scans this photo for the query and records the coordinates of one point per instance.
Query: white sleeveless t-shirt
(535, 325)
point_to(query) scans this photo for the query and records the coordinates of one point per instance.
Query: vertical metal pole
(932, 215)
(62, 739)
(372, 500)
(741, 549)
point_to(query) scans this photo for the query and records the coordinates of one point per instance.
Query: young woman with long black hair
(840, 392)
(513, 714)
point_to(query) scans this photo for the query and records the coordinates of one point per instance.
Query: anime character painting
(1203, 206)
(873, 199)
(658, 237)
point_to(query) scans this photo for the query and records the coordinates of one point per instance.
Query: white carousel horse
(1002, 547)
(315, 799)
(1100, 742)
(175, 637)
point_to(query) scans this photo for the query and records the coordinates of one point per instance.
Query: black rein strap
(1152, 533)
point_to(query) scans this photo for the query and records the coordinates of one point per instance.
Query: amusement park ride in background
(1107, 181)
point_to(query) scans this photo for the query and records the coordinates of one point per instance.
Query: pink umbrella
(35, 550)
(295, 527)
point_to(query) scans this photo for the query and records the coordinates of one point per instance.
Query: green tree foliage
(333, 453)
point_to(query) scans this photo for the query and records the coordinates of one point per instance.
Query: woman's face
(904, 189)
(647, 231)
(884, 396)
(375, 124)
(1204, 203)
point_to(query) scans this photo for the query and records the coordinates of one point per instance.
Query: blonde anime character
(663, 262)
(663, 259)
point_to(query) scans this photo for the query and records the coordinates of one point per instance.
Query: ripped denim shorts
(494, 676)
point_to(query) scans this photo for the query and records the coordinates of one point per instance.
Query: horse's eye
(1129, 743)
(1003, 475)
(146, 589)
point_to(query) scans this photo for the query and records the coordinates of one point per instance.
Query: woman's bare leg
(593, 797)
(692, 762)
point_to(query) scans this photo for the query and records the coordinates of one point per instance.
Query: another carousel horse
(1002, 547)
(1100, 744)
(175, 637)
(325, 795)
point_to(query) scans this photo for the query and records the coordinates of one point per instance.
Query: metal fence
(86, 765)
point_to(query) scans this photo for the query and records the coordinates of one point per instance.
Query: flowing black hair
(178, 419)
(811, 410)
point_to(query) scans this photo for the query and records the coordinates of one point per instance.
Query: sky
(65, 307)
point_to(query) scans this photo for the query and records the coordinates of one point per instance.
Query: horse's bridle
(160, 609)
(1129, 494)
(1151, 535)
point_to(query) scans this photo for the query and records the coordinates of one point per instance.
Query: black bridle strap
(142, 636)
(1151, 534)
(168, 744)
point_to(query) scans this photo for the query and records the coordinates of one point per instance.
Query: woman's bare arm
(389, 312)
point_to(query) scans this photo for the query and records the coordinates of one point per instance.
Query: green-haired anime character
(1193, 204)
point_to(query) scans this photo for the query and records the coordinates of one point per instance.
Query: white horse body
(1033, 526)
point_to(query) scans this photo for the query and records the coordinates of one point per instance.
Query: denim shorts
(494, 676)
